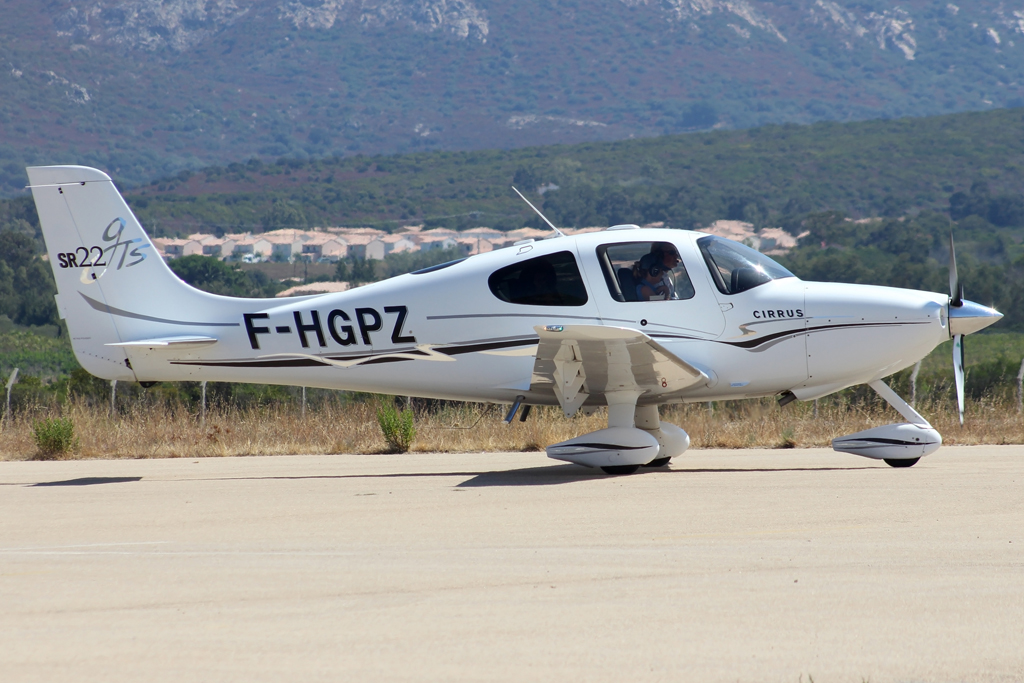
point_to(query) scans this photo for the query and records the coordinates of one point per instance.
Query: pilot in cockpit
(651, 280)
(654, 273)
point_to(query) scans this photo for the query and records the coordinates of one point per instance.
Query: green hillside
(770, 175)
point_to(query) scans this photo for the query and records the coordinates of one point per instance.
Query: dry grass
(155, 432)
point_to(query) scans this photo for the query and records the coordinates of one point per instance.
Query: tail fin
(112, 286)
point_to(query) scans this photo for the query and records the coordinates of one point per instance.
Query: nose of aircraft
(970, 317)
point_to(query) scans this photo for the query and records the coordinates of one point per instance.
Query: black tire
(902, 462)
(621, 469)
(658, 462)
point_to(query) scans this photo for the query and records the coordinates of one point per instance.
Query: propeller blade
(956, 290)
(958, 373)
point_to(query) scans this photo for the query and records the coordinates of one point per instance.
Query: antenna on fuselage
(537, 211)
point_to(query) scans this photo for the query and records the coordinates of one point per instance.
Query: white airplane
(576, 321)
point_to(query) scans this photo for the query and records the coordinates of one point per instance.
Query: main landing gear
(635, 438)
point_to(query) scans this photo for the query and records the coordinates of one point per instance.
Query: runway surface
(731, 566)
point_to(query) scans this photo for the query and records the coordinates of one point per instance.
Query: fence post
(10, 383)
(202, 410)
(303, 403)
(913, 383)
(815, 409)
(113, 396)
(1020, 388)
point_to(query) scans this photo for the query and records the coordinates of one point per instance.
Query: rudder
(106, 268)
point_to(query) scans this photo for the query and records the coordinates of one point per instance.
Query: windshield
(736, 268)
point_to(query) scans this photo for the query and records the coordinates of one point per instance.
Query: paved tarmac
(731, 566)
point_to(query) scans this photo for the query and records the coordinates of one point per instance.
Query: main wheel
(902, 462)
(658, 462)
(621, 469)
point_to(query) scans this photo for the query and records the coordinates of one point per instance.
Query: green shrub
(396, 427)
(55, 437)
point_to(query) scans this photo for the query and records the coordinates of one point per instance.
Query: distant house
(349, 233)
(252, 248)
(160, 244)
(376, 249)
(177, 248)
(470, 246)
(399, 243)
(284, 235)
(325, 247)
(436, 241)
(285, 245)
(357, 244)
(314, 288)
(218, 248)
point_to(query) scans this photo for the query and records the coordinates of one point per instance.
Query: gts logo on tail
(100, 257)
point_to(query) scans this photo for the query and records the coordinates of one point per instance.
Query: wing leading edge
(580, 361)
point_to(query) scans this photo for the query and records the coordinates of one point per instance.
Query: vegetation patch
(55, 438)
(396, 426)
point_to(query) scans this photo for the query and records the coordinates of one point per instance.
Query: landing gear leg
(621, 406)
(673, 440)
(621, 448)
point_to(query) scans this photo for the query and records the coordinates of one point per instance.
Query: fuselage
(466, 331)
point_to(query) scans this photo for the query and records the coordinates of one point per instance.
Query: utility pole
(913, 383)
(10, 383)
(1020, 388)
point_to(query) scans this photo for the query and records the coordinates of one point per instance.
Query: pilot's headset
(651, 265)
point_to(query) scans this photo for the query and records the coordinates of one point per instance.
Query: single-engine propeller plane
(627, 318)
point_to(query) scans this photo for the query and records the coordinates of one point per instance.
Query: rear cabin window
(552, 280)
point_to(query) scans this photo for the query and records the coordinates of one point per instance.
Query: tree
(26, 282)
(283, 214)
(217, 277)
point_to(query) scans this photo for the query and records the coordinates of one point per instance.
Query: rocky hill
(145, 88)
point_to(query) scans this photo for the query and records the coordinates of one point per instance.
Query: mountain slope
(148, 87)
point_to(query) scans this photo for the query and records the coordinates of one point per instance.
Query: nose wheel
(902, 462)
(620, 469)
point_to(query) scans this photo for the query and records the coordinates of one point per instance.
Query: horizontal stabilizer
(168, 342)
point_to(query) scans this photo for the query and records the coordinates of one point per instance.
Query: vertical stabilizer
(112, 285)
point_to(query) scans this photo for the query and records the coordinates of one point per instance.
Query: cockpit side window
(644, 271)
(552, 280)
(735, 267)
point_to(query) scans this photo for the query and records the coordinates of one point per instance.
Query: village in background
(330, 245)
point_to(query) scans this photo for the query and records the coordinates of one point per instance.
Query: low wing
(579, 361)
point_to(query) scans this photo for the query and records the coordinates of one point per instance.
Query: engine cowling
(612, 447)
(891, 442)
